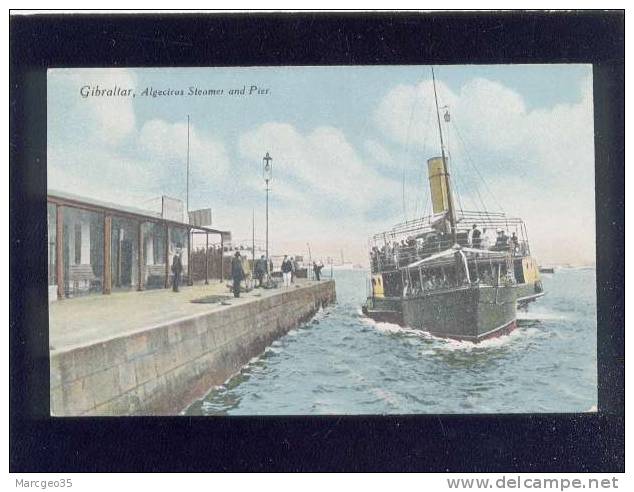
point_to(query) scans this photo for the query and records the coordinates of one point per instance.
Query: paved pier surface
(91, 319)
(154, 352)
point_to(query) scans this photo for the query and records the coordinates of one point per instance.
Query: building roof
(115, 207)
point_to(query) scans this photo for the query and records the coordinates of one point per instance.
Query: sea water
(341, 362)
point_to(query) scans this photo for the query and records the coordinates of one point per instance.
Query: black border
(496, 443)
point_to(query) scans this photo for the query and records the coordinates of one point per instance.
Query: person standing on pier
(260, 270)
(317, 266)
(237, 273)
(294, 264)
(287, 268)
(295, 269)
(177, 268)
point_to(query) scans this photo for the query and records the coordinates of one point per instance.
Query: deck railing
(394, 256)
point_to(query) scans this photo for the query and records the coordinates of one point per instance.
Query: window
(153, 255)
(83, 251)
(77, 244)
(124, 253)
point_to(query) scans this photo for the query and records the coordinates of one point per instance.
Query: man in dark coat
(177, 269)
(260, 270)
(317, 266)
(237, 273)
(293, 269)
(501, 241)
(515, 243)
(287, 268)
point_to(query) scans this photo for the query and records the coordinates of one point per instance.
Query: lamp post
(267, 172)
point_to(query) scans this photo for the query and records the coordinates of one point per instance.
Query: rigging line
(458, 183)
(476, 188)
(422, 168)
(470, 161)
(426, 205)
(421, 201)
(407, 155)
(410, 160)
(429, 210)
(403, 194)
(478, 196)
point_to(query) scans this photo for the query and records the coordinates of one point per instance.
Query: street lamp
(267, 173)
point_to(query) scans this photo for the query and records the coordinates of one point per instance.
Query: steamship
(446, 273)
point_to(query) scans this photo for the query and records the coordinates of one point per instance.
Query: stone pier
(154, 353)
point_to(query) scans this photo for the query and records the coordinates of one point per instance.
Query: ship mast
(451, 211)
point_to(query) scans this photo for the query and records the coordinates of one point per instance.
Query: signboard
(200, 217)
(172, 209)
(226, 239)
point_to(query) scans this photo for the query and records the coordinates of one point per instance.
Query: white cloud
(321, 163)
(111, 119)
(121, 180)
(96, 147)
(379, 153)
(166, 143)
(326, 187)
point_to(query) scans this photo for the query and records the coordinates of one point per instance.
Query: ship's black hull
(469, 313)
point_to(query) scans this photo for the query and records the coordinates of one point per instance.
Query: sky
(349, 147)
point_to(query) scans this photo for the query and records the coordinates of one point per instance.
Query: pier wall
(162, 369)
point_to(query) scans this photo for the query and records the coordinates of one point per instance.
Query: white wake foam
(449, 344)
(537, 316)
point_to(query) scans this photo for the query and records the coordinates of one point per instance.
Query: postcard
(321, 240)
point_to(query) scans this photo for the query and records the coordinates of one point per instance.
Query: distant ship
(441, 275)
(343, 265)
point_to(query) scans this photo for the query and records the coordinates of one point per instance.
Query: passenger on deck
(486, 278)
(416, 290)
(515, 244)
(406, 289)
(429, 283)
(501, 241)
(443, 242)
(484, 240)
(374, 258)
(436, 281)
(476, 240)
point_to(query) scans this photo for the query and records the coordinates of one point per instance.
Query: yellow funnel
(438, 185)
